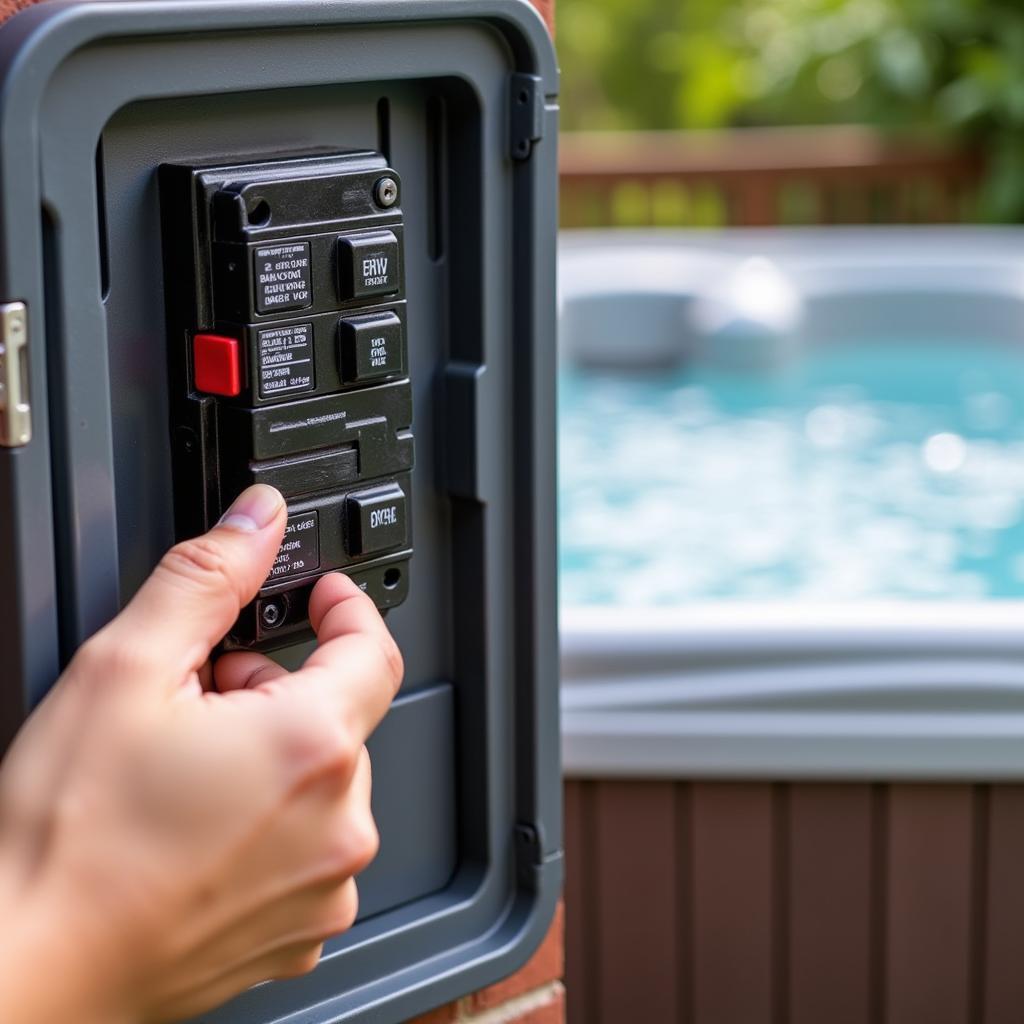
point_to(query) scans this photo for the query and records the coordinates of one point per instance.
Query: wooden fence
(764, 176)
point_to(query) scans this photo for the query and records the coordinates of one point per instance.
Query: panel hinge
(526, 114)
(15, 411)
(529, 854)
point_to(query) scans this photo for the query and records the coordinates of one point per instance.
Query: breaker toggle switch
(368, 264)
(372, 346)
(377, 520)
(218, 364)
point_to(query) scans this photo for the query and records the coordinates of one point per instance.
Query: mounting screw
(187, 440)
(272, 613)
(385, 192)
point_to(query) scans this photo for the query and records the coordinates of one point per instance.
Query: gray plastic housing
(460, 97)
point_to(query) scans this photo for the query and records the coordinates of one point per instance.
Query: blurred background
(791, 428)
(801, 111)
(883, 464)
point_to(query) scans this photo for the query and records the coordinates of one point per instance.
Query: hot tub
(791, 681)
(794, 793)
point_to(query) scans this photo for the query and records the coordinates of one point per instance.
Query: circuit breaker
(287, 360)
(310, 243)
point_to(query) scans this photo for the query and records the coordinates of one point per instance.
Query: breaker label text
(283, 279)
(286, 360)
(300, 549)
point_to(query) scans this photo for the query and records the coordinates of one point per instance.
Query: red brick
(547, 12)
(8, 8)
(551, 1012)
(442, 1015)
(546, 965)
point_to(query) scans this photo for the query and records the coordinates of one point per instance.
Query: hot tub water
(881, 470)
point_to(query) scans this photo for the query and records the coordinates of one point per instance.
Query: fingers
(313, 895)
(337, 591)
(357, 662)
(290, 962)
(196, 592)
(244, 670)
(205, 676)
(358, 840)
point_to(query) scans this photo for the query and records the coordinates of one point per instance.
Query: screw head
(271, 613)
(385, 192)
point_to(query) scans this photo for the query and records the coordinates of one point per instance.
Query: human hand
(172, 833)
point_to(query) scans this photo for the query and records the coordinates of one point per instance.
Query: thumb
(195, 594)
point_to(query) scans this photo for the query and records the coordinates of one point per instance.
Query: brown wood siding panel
(829, 883)
(808, 903)
(732, 892)
(637, 927)
(1003, 950)
(928, 895)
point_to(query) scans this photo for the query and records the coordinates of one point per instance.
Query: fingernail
(253, 509)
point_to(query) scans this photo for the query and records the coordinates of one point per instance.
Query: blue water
(876, 471)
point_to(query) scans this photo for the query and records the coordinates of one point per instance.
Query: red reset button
(217, 362)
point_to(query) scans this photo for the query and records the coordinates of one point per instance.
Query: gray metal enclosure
(460, 99)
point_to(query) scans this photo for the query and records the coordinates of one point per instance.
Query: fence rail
(764, 176)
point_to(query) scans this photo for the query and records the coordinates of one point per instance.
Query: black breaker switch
(377, 520)
(296, 263)
(368, 264)
(371, 346)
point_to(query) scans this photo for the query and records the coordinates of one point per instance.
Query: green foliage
(952, 66)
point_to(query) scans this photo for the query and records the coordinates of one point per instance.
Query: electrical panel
(287, 332)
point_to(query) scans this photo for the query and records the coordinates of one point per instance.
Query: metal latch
(15, 410)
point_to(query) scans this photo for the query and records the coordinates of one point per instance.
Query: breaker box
(288, 365)
(310, 244)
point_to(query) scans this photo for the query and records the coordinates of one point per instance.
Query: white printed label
(286, 360)
(377, 272)
(383, 517)
(283, 279)
(300, 549)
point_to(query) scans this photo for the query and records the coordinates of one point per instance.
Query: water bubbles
(944, 453)
(856, 478)
(988, 410)
(995, 511)
(825, 426)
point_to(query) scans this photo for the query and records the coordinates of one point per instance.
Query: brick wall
(534, 995)
(8, 8)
